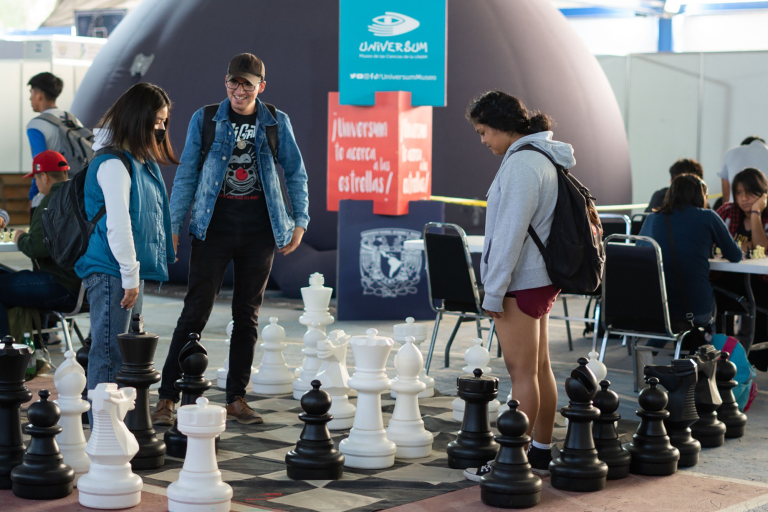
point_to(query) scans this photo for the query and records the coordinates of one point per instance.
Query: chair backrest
(634, 293)
(450, 276)
(638, 220)
(82, 303)
(615, 224)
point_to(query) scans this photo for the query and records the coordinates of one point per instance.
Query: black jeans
(252, 256)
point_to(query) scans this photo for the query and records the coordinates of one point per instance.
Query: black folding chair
(612, 224)
(635, 296)
(638, 220)
(451, 281)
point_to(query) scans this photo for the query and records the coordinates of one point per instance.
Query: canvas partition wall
(687, 105)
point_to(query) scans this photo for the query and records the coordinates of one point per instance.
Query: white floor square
(171, 475)
(282, 476)
(419, 473)
(326, 500)
(285, 434)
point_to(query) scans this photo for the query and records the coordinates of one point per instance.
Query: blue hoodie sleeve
(37, 143)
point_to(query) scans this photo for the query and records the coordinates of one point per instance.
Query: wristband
(757, 212)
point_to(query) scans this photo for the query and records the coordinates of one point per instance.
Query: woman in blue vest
(132, 242)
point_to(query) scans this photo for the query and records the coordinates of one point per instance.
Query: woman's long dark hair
(752, 180)
(131, 123)
(506, 113)
(685, 190)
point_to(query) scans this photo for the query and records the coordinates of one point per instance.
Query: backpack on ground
(745, 391)
(66, 227)
(77, 147)
(574, 252)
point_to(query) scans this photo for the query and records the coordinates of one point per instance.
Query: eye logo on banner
(388, 270)
(393, 24)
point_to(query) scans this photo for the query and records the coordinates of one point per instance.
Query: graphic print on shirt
(241, 181)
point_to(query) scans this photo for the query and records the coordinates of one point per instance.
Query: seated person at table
(4, 219)
(746, 218)
(51, 287)
(695, 229)
(682, 166)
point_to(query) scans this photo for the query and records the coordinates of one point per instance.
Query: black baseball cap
(248, 66)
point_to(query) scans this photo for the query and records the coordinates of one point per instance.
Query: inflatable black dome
(525, 47)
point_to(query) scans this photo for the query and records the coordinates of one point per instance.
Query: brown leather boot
(163, 414)
(240, 411)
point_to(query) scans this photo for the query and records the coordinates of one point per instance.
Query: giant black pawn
(138, 351)
(511, 483)
(474, 446)
(13, 393)
(607, 443)
(81, 356)
(679, 379)
(652, 453)
(708, 429)
(315, 457)
(577, 467)
(43, 474)
(193, 360)
(728, 412)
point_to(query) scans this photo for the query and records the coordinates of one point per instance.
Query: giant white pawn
(223, 372)
(406, 428)
(273, 376)
(70, 381)
(335, 378)
(476, 356)
(308, 370)
(200, 487)
(597, 366)
(419, 333)
(367, 446)
(110, 483)
(316, 298)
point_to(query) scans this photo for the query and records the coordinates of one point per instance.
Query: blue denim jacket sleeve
(187, 174)
(289, 157)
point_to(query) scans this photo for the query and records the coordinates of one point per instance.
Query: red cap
(48, 161)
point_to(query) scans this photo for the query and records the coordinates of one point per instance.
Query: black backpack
(77, 148)
(66, 228)
(574, 253)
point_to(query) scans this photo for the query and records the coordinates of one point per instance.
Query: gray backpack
(77, 147)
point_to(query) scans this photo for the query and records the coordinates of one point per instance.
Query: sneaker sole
(540, 472)
(471, 476)
(163, 422)
(245, 422)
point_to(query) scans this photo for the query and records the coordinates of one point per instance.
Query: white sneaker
(475, 474)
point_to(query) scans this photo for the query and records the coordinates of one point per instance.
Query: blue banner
(392, 45)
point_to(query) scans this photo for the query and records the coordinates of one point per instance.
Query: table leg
(752, 311)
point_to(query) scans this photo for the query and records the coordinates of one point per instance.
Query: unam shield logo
(392, 24)
(387, 269)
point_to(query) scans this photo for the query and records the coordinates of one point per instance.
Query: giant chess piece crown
(577, 467)
(708, 429)
(316, 299)
(607, 443)
(334, 377)
(273, 376)
(70, 381)
(200, 487)
(679, 379)
(193, 360)
(476, 356)
(734, 420)
(367, 446)
(43, 475)
(474, 445)
(308, 371)
(110, 483)
(511, 483)
(138, 350)
(13, 365)
(406, 428)
(315, 457)
(419, 334)
(652, 453)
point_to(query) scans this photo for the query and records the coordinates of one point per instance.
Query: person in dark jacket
(681, 166)
(695, 229)
(51, 287)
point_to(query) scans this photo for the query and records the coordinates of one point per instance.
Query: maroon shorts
(535, 302)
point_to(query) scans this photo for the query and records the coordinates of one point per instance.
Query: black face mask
(159, 135)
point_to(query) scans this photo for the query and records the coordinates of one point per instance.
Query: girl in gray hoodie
(518, 291)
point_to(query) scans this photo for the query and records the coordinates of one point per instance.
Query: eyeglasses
(247, 86)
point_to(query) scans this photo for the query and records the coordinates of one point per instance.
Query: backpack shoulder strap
(111, 151)
(54, 120)
(272, 136)
(209, 132)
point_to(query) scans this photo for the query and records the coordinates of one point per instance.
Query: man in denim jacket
(239, 215)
